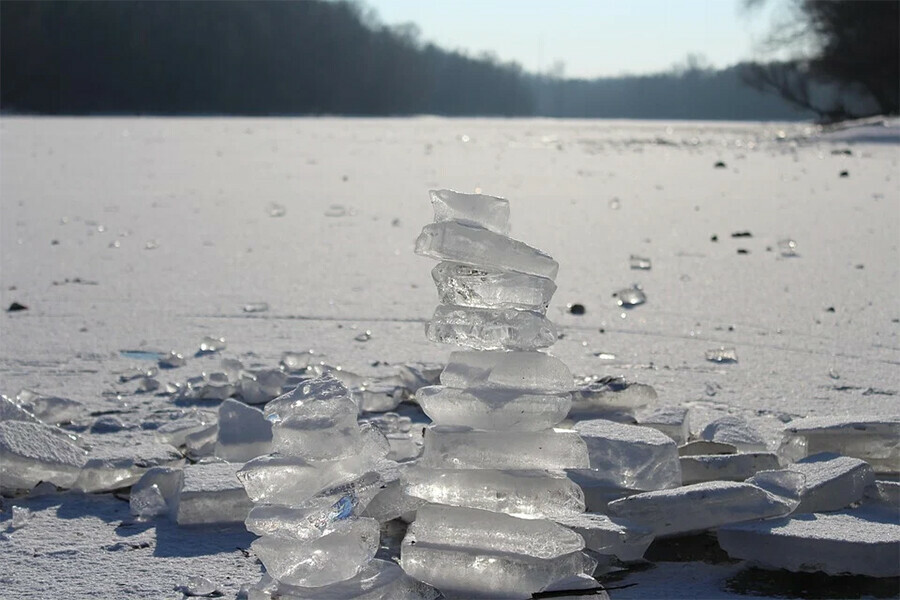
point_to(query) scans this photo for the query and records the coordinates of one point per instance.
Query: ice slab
(532, 371)
(671, 420)
(338, 554)
(884, 493)
(486, 287)
(518, 493)
(550, 449)
(610, 395)
(489, 212)
(726, 467)
(735, 430)
(699, 507)
(113, 467)
(211, 493)
(862, 541)
(484, 530)
(377, 580)
(699, 447)
(493, 409)
(176, 432)
(243, 433)
(393, 502)
(874, 440)
(304, 523)
(33, 452)
(291, 480)
(833, 482)
(201, 443)
(455, 242)
(490, 329)
(466, 574)
(631, 456)
(10, 411)
(52, 410)
(602, 535)
(598, 491)
(156, 491)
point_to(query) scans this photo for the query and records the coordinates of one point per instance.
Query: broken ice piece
(722, 355)
(726, 467)
(455, 242)
(699, 506)
(630, 297)
(461, 449)
(787, 247)
(304, 523)
(34, 452)
(833, 482)
(211, 493)
(417, 375)
(148, 503)
(670, 420)
(861, 541)
(52, 410)
(735, 430)
(501, 557)
(610, 395)
(256, 307)
(480, 210)
(875, 440)
(177, 431)
(20, 517)
(597, 489)
(295, 361)
(10, 411)
(172, 360)
(198, 586)
(211, 344)
(602, 535)
(520, 493)
(493, 410)
(631, 456)
(167, 482)
(337, 555)
(698, 447)
(490, 329)
(243, 434)
(379, 396)
(486, 287)
(393, 502)
(639, 263)
(113, 467)
(532, 371)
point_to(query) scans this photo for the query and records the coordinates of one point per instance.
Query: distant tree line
(262, 57)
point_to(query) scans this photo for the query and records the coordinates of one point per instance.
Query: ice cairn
(309, 497)
(492, 468)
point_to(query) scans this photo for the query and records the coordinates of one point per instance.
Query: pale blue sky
(592, 37)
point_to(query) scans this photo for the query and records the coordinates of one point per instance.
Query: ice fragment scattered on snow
(256, 307)
(211, 344)
(639, 263)
(722, 355)
(172, 360)
(630, 297)
(20, 517)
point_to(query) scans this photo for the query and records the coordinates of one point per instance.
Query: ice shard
(874, 440)
(489, 212)
(490, 329)
(486, 287)
(33, 452)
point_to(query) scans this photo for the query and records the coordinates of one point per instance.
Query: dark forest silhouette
(312, 57)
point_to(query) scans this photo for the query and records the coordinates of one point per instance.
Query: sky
(593, 38)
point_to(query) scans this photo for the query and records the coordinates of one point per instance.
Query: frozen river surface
(148, 234)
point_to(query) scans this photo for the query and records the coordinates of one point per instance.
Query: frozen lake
(148, 234)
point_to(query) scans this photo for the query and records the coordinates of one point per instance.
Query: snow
(164, 235)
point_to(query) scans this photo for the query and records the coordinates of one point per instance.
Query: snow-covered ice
(726, 467)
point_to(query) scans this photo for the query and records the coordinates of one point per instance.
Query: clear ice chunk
(490, 329)
(610, 395)
(33, 452)
(377, 580)
(166, 483)
(211, 344)
(211, 493)
(172, 360)
(304, 523)
(455, 242)
(393, 502)
(875, 440)
(52, 410)
(550, 449)
(244, 433)
(530, 494)
(833, 482)
(630, 297)
(198, 586)
(735, 430)
(726, 467)
(700, 447)
(339, 554)
(699, 507)
(20, 517)
(379, 396)
(480, 210)
(673, 421)
(722, 355)
(148, 503)
(532, 371)
(631, 456)
(494, 532)
(113, 467)
(602, 535)
(493, 410)
(486, 287)
(639, 263)
(861, 541)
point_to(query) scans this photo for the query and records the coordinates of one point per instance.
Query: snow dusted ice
(129, 262)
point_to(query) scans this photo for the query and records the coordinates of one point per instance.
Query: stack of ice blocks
(492, 466)
(309, 493)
